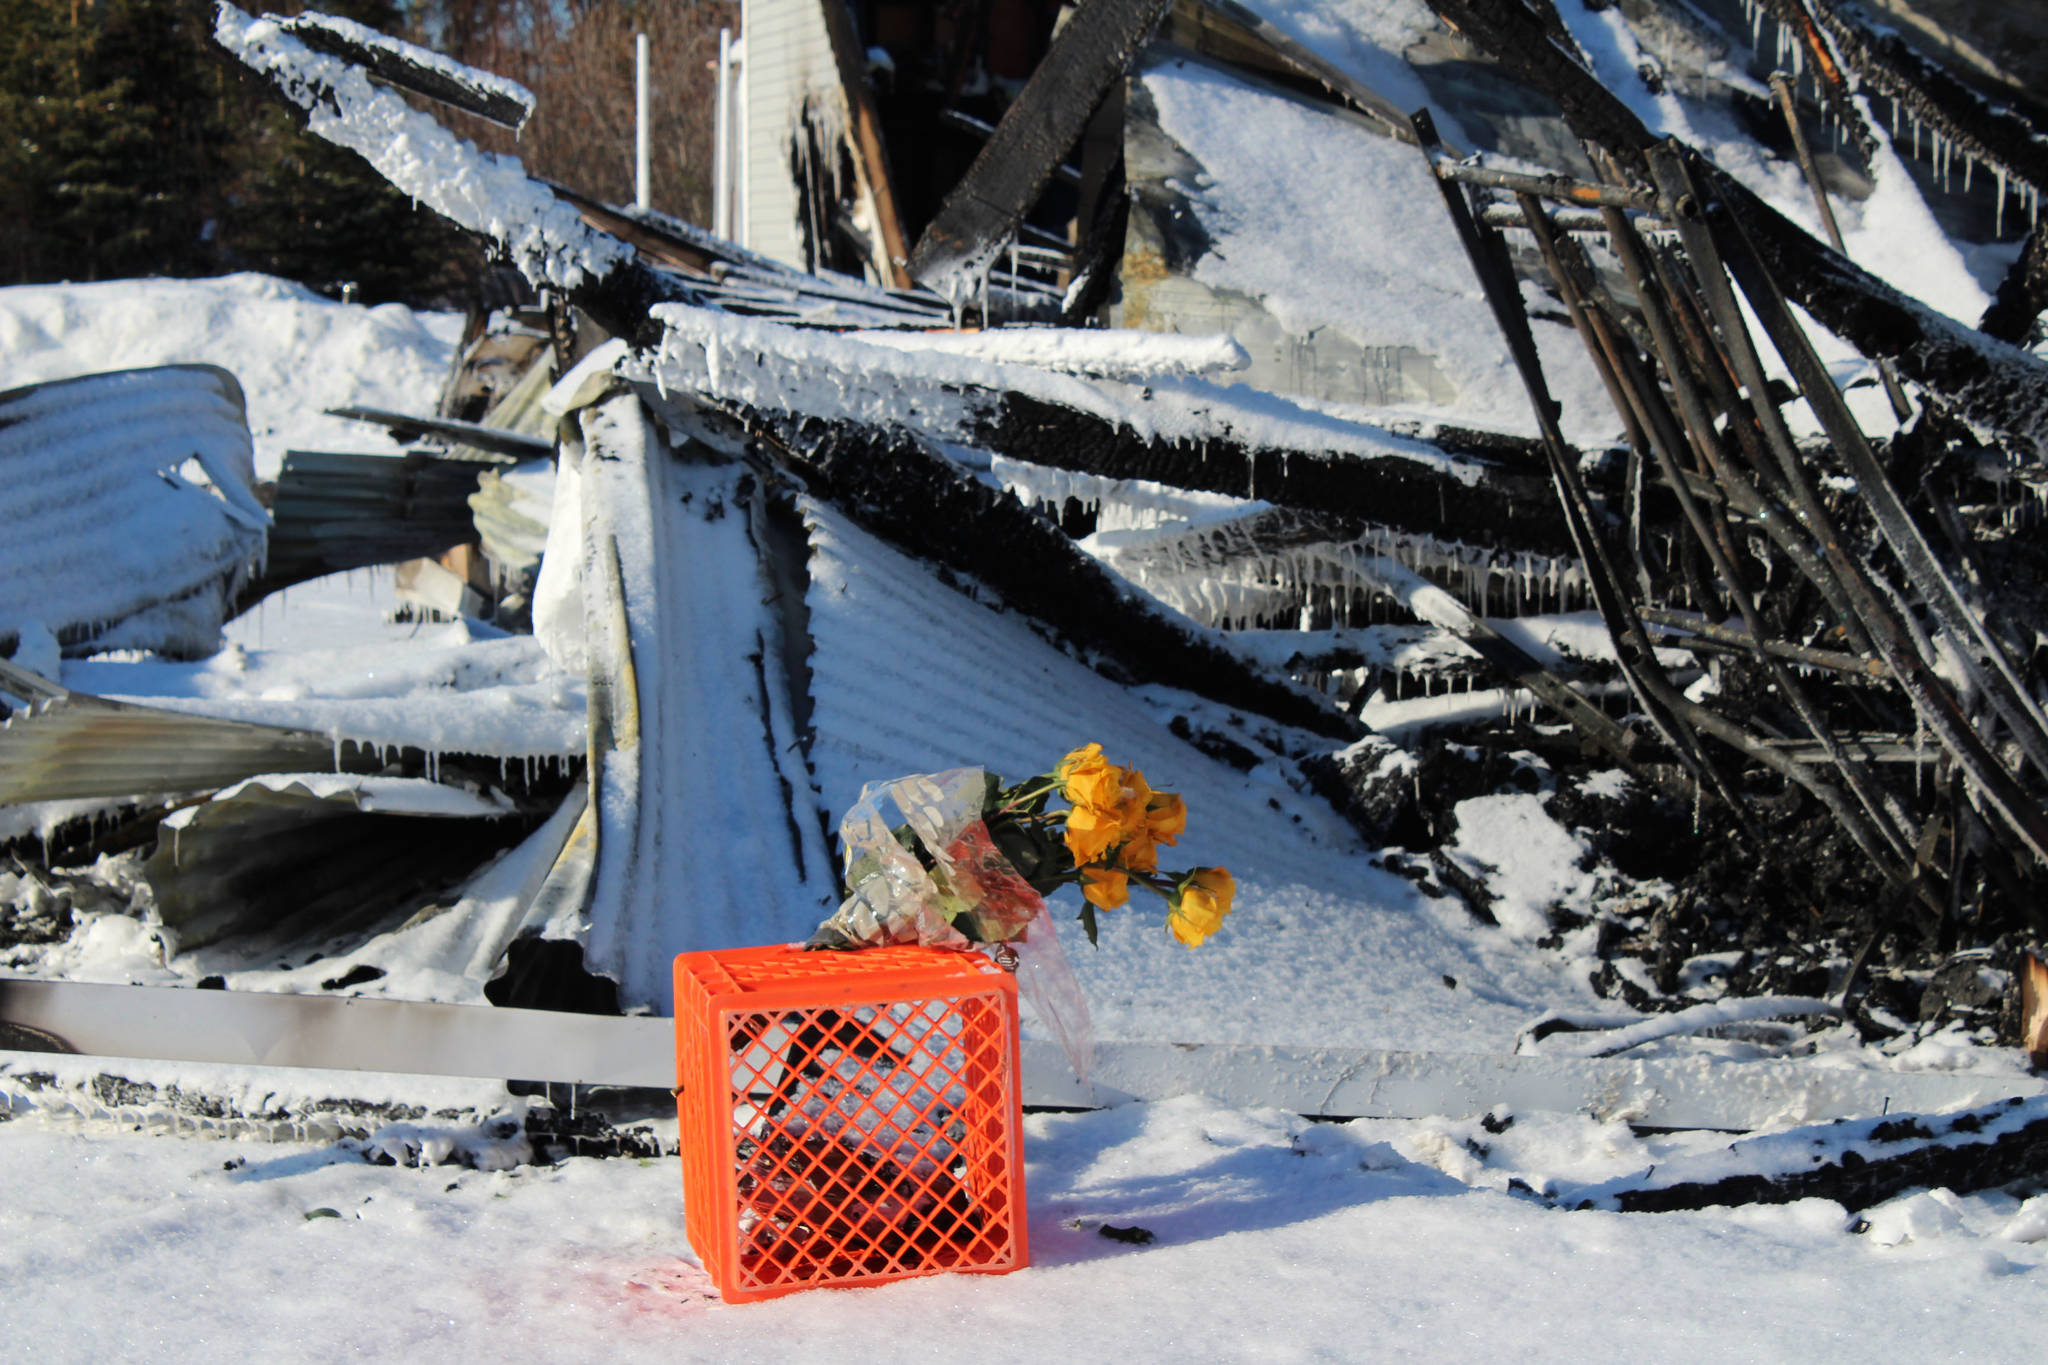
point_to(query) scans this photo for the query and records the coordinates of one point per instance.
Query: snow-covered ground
(1276, 1240)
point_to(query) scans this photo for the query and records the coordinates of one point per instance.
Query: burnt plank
(1090, 53)
(412, 69)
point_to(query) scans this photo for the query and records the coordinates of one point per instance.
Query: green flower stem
(1048, 783)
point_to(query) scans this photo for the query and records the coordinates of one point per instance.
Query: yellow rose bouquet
(972, 859)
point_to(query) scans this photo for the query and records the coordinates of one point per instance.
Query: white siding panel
(789, 54)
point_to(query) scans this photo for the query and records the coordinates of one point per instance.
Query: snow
(1366, 40)
(1107, 354)
(295, 353)
(1530, 861)
(1345, 193)
(454, 687)
(1275, 1240)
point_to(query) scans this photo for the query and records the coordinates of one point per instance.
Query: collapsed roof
(1466, 398)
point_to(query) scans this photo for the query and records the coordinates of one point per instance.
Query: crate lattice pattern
(861, 1141)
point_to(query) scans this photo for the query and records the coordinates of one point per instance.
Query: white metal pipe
(741, 96)
(721, 138)
(643, 142)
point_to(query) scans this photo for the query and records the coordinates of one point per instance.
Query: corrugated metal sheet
(707, 835)
(131, 512)
(342, 511)
(75, 746)
(287, 861)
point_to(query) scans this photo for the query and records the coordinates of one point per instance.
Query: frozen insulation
(133, 502)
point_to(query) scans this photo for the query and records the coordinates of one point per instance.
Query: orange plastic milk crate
(848, 1118)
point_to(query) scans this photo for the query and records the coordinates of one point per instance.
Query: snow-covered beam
(487, 194)
(1174, 429)
(407, 67)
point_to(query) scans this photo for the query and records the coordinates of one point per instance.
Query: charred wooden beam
(983, 130)
(664, 249)
(1990, 131)
(1989, 382)
(2022, 294)
(872, 162)
(414, 69)
(1698, 633)
(1508, 508)
(1872, 1160)
(1093, 50)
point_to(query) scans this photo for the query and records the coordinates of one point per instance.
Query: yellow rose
(1203, 899)
(1105, 887)
(1166, 817)
(1086, 778)
(1090, 832)
(1135, 832)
